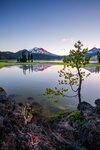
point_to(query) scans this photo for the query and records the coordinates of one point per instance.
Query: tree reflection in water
(93, 69)
(35, 67)
(97, 69)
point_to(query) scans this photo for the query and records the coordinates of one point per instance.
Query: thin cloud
(61, 52)
(66, 40)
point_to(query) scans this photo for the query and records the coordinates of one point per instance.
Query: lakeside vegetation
(5, 63)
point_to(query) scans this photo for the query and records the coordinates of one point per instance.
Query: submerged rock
(30, 98)
(36, 107)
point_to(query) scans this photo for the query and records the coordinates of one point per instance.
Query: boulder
(3, 94)
(36, 107)
(23, 127)
(1, 121)
(85, 106)
(3, 110)
(9, 142)
(90, 135)
(97, 102)
(34, 128)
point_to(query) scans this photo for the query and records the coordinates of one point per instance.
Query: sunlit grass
(5, 63)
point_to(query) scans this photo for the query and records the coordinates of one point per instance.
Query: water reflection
(35, 68)
(38, 77)
(93, 69)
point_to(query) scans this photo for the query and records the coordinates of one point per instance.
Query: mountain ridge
(38, 53)
(41, 54)
(41, 51)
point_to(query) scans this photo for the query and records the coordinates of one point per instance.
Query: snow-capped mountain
(38, 54)
(37, 50)
(93, 51)
(42, 54)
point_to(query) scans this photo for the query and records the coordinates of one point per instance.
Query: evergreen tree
(23, 58)
(31, 57)
(77, 60)
(98, 56)
(18, 59)
(0, 55)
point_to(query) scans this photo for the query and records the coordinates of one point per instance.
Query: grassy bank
(93, 64)
(5, 63)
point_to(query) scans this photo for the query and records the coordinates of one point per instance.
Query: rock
(1, 122)
(8, 128)
(43, 146)
(3, 110)
(9, 142)
(85, 106)
(29, 118)
(22, 145)
(30, 98)
(34, 128)
(90, 135)
(36, 107)
(97, 102)
(22, 127)
(3, 94)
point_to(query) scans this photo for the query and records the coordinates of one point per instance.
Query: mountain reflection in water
(42, 67)
(92, 69)
(35, 67)
(28, 82)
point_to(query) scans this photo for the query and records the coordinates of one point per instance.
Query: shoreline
(22, 127)
(4, 63)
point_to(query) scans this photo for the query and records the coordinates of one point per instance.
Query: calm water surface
(28, 83)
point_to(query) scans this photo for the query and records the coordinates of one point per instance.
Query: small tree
(76, 59)
(0, 55)
(31, 57)
(18, 59)
(98, 56)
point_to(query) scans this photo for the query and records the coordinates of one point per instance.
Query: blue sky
(51, 24)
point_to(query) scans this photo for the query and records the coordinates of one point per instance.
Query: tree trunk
(79, 89)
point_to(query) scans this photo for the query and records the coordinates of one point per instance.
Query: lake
(28, 83)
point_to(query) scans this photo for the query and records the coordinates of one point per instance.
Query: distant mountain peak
(93, 52)
(37, 53)
(94, 48)
(37, 50)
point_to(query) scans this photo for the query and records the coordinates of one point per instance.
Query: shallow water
(28, 83)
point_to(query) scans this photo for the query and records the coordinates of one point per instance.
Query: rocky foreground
(22, 127)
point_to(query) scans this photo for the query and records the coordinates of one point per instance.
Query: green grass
(76, 117)
(5, 63)
(93, 64)
(2, 64)
(57, 116)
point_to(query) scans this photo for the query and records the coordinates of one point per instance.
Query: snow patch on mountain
(94, 50)
(37, 50)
